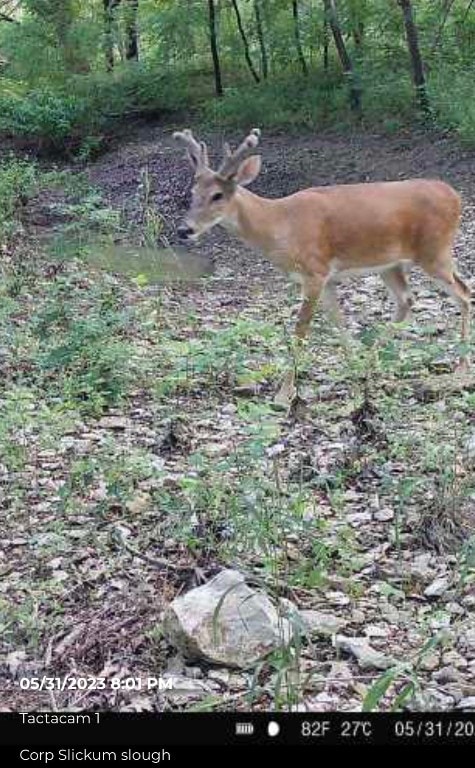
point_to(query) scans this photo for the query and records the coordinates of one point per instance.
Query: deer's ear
(248, 170)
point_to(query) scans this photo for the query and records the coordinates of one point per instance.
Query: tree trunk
(438, 38)
(347, 64)
(245, 42)
(108, 15)
(131, 31)
(326, 44)
(358, 35)
(213, 36)
(298, 42)
(262, 42)
(415, 54)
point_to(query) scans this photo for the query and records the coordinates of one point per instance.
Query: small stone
(469, 639)
(113, 422)
(376, 630)
(195, 673)
(468, 703)
(447, 675)
(455, 609)
(430, 662)
(384, 515)
(337, 598)
(320, 623)
(139, 503)
(339, 674)
(437, 587)
(221, 676)
(469, 601)
(358, 518)
(470, 448)
(420, 568)
(367, 657)
(453, 658)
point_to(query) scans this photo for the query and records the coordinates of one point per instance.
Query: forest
(162, 513)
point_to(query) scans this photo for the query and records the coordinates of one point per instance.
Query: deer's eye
(217, 196)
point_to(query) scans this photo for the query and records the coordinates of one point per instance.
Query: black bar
(161, 731)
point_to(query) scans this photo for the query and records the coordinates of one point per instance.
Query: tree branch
(4, 17)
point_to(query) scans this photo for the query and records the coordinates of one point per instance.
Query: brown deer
(321, 234)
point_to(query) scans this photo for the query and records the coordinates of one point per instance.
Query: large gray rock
(225, 622)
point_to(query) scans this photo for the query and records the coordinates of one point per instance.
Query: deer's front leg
(310, 297)
(288, 389)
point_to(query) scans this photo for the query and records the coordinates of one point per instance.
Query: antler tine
(197, 150)
(232, 160)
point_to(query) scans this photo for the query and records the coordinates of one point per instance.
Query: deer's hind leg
(443, 270)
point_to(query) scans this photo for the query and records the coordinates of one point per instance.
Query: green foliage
(57, 93)
(54, 119)
(18, 182)
(72, 355)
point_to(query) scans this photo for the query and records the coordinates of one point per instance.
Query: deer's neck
(255, 220)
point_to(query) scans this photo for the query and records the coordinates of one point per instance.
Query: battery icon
(244, 729)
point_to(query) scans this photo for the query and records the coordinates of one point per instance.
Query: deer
(321, 234)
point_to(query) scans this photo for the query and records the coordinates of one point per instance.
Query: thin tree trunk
(131, 31)
(347, 64)
(358, 35)
(446, 11)
(245, 42)
(326, 44)
(261, 38)
(298, 42)
(467, 11)
(108, 15)
(415, 54)
(213, 37)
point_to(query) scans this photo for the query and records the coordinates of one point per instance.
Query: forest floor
(138, 427)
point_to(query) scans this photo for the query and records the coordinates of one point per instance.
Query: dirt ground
(110, 601)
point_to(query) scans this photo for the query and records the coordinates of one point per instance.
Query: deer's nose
(185, 232)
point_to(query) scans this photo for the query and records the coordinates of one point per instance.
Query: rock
(420, 568)
(320, 623)
(468, 703)
(470, 448)
(356, 519)
(366, 656)
(447, 675)
(455, 609)
(390, 613)
(469, 639)
(429, 662)
(384, 515)
(195, 673)
(437, 587)
(375, 630)
(337, 598)
(225, 622)
(113, 422)
(430, 700)
(453, 658)
(340, 675)
(186, 687)
(222, 676)
(138, 503)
